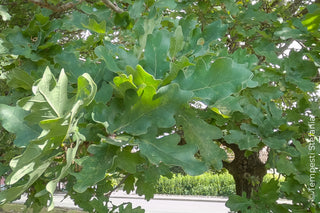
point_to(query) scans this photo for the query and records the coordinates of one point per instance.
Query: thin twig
(112, 6)
(117, 186)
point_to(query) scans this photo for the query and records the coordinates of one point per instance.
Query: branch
(56, 9)
(112, 6)
(294, 6)
(117, 186)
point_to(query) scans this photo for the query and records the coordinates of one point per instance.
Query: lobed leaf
(168, 151)
(222, 79)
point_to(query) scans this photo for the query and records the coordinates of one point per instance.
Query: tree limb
(112, 6)
(294, 6)
(117, 186)
(56, 9)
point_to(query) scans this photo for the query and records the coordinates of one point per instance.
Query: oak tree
(95, 90)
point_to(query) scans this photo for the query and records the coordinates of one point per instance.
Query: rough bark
(248, 172)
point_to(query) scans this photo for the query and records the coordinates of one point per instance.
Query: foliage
(96, 90)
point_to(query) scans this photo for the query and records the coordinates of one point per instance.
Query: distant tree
(94, 90)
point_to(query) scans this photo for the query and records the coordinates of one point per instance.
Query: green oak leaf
(12, 193)
(241, 57)
(304, 84)
(123, 57)
(57, 97)
(312, 20)
(285, 166)
(224, 78)
(146, 188)
(244, 141)
(129, 184)
(188, 24)
(267, 49)
(295, 64)
(167, 150)
(107, 56)
(129, 209)
(236, 203)
(228, 105)
(142, 79)
(214, 31)
(287, 33)
(136, 9)
(128, 161)
(148, 177)
(104, 93)
(171, 4)
(269, 191)
(143, 28)
(266, 93)
(32, 163)
(201, 134)
(20, 45)
(123, 20)
(12, 119)
(255, 114)
(155, 54)
(122, 83)
(70, 156)
(86, 89)
(95, 26)
(19, 78)
(152, 109)
(176, 42)
(58, 120)
(50, 100)
(175, 67)
(94, 167)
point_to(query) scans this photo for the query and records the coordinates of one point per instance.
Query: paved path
(160, 203)
(174, 204)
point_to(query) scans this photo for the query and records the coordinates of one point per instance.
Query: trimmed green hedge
(207, 184)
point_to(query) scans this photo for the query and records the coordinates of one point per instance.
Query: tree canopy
(94, 90)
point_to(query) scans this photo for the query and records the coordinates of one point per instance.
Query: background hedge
(207, 184)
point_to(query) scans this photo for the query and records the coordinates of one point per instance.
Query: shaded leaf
(244, 141)
(94, 167)
(168, 151)
(12, 119)
(104, 93)
(127, 160)
(214, 31)
(201, 134)
(107, 56)
(20, 79)
(176, 42)
(155, 54)
(237, 203)
(175, 67)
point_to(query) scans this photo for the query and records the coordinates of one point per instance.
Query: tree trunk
(248, 172)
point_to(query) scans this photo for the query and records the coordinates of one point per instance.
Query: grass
(19, 208)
